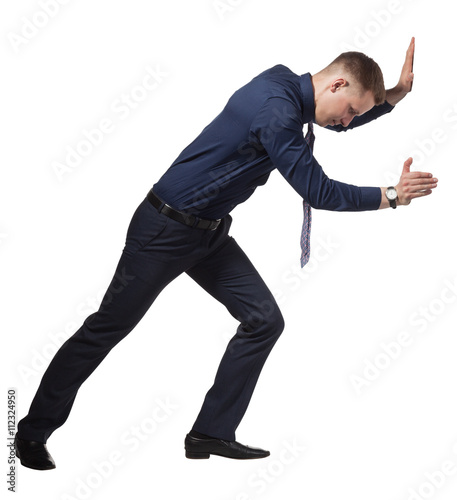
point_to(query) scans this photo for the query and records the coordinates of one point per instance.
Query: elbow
(322, 199)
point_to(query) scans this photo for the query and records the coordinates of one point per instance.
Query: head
(349, 86)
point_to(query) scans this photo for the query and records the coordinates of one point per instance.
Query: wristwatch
(392, 196)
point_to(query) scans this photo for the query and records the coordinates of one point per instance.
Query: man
(182, 226)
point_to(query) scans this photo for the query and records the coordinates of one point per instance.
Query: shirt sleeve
(279, 129)
(370, 115)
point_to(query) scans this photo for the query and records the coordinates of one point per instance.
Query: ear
(337, 84)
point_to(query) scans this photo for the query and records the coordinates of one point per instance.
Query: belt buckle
(162, 206)
(216, 225)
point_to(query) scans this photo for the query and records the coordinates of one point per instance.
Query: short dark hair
(365, 72)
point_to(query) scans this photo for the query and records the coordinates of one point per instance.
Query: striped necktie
(306, 229)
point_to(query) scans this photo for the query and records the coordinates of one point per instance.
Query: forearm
(395, 95)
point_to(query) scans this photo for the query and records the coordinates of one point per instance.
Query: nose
(346, 120)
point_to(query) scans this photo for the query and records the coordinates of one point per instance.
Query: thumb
(407, 166)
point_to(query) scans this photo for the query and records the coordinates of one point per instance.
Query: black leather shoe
(33, 454)
(203, 448)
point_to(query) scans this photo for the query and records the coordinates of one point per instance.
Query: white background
(381, 274)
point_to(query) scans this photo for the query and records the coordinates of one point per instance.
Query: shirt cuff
(370, 198)
(386, 107)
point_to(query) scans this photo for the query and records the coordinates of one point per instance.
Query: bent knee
(277, 322)
(267, 317)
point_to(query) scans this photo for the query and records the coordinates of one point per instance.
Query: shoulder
(277, 71)
(278, 81)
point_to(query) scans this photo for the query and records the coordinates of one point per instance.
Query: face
(339, 103)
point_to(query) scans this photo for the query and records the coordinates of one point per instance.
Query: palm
(407, 75)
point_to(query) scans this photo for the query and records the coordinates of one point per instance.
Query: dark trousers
(157, 250)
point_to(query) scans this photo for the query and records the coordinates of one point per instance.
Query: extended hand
(405, 83)
(414, 184)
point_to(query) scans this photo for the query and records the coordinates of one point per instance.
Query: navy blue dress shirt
(260, 129)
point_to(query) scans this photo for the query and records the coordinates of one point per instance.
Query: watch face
(391, 193)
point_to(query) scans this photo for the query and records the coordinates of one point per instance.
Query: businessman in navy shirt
(182, 226)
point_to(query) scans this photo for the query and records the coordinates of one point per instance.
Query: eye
(352, 111)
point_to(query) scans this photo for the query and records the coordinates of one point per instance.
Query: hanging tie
(306, 229)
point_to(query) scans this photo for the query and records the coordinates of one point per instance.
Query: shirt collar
(307, 94)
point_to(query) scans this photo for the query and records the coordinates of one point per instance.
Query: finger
(410, 52)
(412, 190)
(420, 194)
(421, 181)
(407, 165)
(412, 47)
(417, 175)
(413, 43)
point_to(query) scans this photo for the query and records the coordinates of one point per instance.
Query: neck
(317, 81)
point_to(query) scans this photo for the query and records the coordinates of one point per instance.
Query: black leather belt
(188, 219)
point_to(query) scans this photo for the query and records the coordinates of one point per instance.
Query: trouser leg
(142, 272)
(229, 276)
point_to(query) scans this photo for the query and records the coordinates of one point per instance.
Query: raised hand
(405, 82)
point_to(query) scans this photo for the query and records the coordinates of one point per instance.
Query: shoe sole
(196, 454)
(202, 455)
